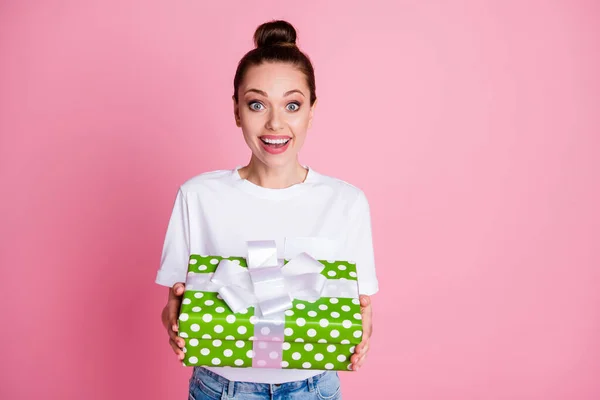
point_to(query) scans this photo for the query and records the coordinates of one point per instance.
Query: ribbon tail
(275, 305)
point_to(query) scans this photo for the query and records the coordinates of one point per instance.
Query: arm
(173, 269)
(360, 242)
(169, 318)
(360, 352)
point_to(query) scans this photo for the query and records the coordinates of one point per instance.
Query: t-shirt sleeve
(176, 247)
(360, 242)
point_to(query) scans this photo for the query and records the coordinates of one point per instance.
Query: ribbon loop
(307, 287)
(262, 253)
(237, 298)
(303, 263)
(270, 285)
(231, 273)
(266, 284)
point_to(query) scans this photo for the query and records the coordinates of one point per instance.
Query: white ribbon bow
(266, 284)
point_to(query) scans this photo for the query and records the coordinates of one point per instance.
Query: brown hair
(275, 41)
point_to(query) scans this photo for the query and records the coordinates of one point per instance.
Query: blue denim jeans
(206, 385)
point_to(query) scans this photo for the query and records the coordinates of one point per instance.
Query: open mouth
(275, 143)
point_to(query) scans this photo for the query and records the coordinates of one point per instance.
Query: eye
(293, 107)
(255, 106)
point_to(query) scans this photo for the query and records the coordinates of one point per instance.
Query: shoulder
(351, 194)
(206, 179)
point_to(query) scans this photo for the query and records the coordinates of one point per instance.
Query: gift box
(262, 312)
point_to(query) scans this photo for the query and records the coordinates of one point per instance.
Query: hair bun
(275, 33)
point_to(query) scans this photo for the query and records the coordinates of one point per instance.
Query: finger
(177, 339)
(177, 350)
(360, 362)
(356, 357)
(365, 300)
(357, 361)
(173, 330)
(358, 353)
(170, 324)
(363, 349)
(173, 314)
(174, 326)
(173, 336)
(367, 317)
(179, 342)
(361, 346)
(178, 288)
(173, 320)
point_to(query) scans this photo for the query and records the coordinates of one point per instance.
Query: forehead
(274, 78)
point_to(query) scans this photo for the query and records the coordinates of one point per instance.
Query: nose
(275, 121)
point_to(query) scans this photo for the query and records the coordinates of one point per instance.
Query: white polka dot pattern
(319, 334)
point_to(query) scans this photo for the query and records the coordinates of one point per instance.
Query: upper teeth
(276, 141)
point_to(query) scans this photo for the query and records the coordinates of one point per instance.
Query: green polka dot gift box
(264, 313)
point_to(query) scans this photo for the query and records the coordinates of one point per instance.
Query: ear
(236, 112)
(312, 111)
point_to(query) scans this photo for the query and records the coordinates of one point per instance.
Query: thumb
(178, 288)
(365, 300)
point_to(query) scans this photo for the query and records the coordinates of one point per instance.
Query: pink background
(473, 127)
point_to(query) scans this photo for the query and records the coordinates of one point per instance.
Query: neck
(273, 178)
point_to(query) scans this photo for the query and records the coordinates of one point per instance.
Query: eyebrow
(265, 94)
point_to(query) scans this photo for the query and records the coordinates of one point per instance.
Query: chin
(276, 162)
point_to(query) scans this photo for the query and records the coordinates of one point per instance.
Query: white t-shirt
(216, 213)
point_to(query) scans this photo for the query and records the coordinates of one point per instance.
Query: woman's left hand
(360, 352)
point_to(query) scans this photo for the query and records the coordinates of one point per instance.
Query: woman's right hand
(170, 314)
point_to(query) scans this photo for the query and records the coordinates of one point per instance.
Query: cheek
(251, 121)
(299, 124)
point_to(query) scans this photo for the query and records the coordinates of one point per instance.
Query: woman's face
(274, 112)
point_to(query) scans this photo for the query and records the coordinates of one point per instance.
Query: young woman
(272, 197)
